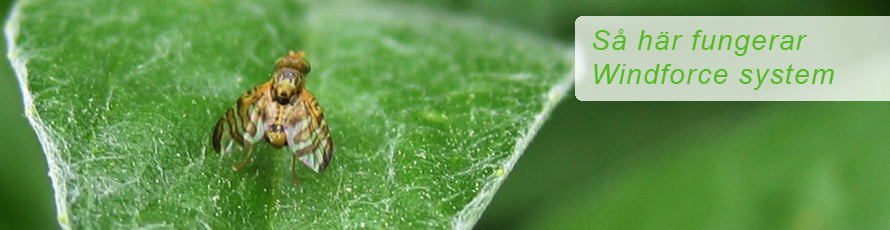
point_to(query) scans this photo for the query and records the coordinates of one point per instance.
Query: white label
(732, 58)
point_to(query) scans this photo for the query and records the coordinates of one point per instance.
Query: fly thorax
(287, 82)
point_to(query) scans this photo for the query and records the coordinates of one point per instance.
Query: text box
(721, 58)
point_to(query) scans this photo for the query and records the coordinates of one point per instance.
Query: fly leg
(246, 158)
(293, 169)
(293, 163)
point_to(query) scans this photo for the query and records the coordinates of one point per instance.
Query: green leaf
(429, 110)
(717, 165)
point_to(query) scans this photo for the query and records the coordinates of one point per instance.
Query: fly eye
(304, 66)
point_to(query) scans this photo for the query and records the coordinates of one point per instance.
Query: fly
(281, 112)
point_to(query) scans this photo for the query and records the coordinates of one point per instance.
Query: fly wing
(243, 124)
(307, 135)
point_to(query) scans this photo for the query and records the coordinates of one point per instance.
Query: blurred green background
(626, 165)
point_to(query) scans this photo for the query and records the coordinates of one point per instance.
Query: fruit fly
(283, 113)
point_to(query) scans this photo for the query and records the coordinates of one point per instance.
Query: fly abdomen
(276, 136)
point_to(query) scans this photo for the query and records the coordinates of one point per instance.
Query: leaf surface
(429, 110)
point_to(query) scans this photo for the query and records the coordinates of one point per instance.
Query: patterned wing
(243, 123)
(308, 136)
